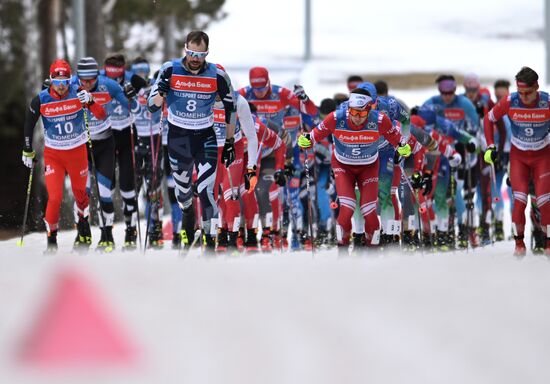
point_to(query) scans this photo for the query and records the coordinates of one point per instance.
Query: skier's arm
(155, 100)
(31, 117)
(280, 153)
(225, 92)
(388, 130)
(495, 114)
(307, 106)
(325, 128)
(249, 129)
(97, 110)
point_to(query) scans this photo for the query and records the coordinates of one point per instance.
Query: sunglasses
(527, 92)
(195, 54)
(358, 112)
(447, 93)
(87, 81)
(471, 90)
(260, 89)
(58, 82)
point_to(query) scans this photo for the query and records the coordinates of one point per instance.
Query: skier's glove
(289, 169)
(250, 179)
(404, 150)
(129, 91)
(300, 93)
(427, 182)
(228, 152)
(471, 145)
(85, 97)
(490, 155)
(279, 177)
(163, 86)
(416, 180)
(304, 141)
(28, 157)
(455, 160)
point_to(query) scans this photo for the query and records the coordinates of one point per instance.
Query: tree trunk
(95, 30)
(48, 30)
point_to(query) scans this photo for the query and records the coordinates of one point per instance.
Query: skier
(190, 85)
(62, 108)
(149, 159)
(529, 113)
(460, 110)
(121, 119)
(356, 131)
(104, 90)
(229, 179)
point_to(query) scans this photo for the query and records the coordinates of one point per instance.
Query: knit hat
(471, 81)
(87, 68)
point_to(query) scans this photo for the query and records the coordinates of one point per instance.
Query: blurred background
(315, 43)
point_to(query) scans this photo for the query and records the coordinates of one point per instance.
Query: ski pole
(309, 208)
(152, 187)
(27, 200)
(494, 182)
(94, 169)
(136, 190)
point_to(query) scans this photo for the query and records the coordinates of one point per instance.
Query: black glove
(300, 93)
(129, 91)
(228, 152)
(427, 182)
(471, 146)
(250, 179)
(289, 169)
(163, 86)
(414, 110)
(416, 180)
(279, 177)
(46, 83)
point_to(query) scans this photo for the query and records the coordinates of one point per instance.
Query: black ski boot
(51, 247)
(130, 237)
(83, 238)
(499, 231)
(441, 239)
(106, 242)
(251, 243)
(462, 236)
(156, 240)
(222, 240)
(176, 240)
(539, 241)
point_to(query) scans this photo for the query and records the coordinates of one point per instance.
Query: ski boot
(426, 240)
(240, 239)
(277, 240)
(209, 242)
(410, 241)
(358, 240)
(51, 247)
(265, 241)
(547, 249)
(441, 240)
(322, 238)
(130, 238)
(483, 232)
(106, 242)
(155, 235)
(232, 243)
(83, 238)
(520, 249)
(499, 231)
(305, 240)
(539, 241)
(251, 243)
(462, 236)
(451, 238)
(222, 241)
(176, 240)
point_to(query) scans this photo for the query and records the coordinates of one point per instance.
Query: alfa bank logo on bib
(454, 113)
(194, 83)
(526, 115)
(60, 108)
